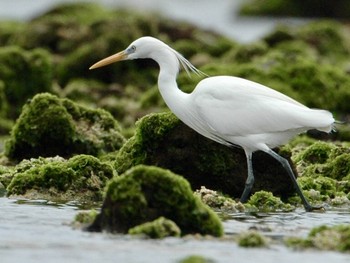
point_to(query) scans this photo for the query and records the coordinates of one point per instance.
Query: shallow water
(33, 231)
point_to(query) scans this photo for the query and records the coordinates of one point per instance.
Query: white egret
(229, 110)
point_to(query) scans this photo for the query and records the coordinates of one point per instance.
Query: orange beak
(109, 60)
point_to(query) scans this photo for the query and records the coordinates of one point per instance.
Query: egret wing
(233, 106)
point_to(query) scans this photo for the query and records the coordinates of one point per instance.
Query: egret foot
(311, 208)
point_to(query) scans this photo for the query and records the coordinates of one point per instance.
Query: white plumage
(229, 110)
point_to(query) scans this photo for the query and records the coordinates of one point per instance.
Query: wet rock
(164, 141)
(50, 126)
(143, 194)
(81, 178)
(159, 228)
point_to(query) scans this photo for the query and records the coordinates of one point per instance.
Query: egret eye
(133, 48)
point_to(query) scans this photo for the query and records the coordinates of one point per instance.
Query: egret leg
(250, 179)
(286, 166)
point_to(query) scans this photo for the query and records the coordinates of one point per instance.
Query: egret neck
(174, 98)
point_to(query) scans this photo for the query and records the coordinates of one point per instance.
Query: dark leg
(286, 166)
(250, 179)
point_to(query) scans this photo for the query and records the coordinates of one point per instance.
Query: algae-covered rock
(6, 175)
(252, 239)
(265, 201)
(318, 152)
(50, 126)
(324, 169)
(5, 123)
(120, 101)
(159, 228)
(163, 140)
(81, 178)
(336, 238)
(84, 218)
(24, 74)
(196, 259)
(144, 193)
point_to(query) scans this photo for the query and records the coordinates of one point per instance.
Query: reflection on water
(32, 231)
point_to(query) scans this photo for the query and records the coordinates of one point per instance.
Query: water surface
(39, 231)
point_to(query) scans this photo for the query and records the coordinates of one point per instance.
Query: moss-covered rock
(24, 74)
(318, 152)
(84, 218)
(50, 126)
(252, 239)
(266, 202)
(162, 140)
(6, 175)
(324, 237)
(146, 193)
(120, 101)
(196, 259)
(324, 169)
(159, 228)
(81, 178)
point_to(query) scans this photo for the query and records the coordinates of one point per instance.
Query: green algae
(324, 169)
(81, 178)
(252, 239)
(196, 259)
(324, 237)
(266, 202)
(24, 73)
(318, 152)
(6, 175)
(157, 229)
(146, 193)
(50, 126)
(84, 218)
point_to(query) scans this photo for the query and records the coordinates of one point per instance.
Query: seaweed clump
(50, 126)
(81, 178)
(144, 193)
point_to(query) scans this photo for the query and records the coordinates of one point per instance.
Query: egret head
(144, 47)
(150, 47)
